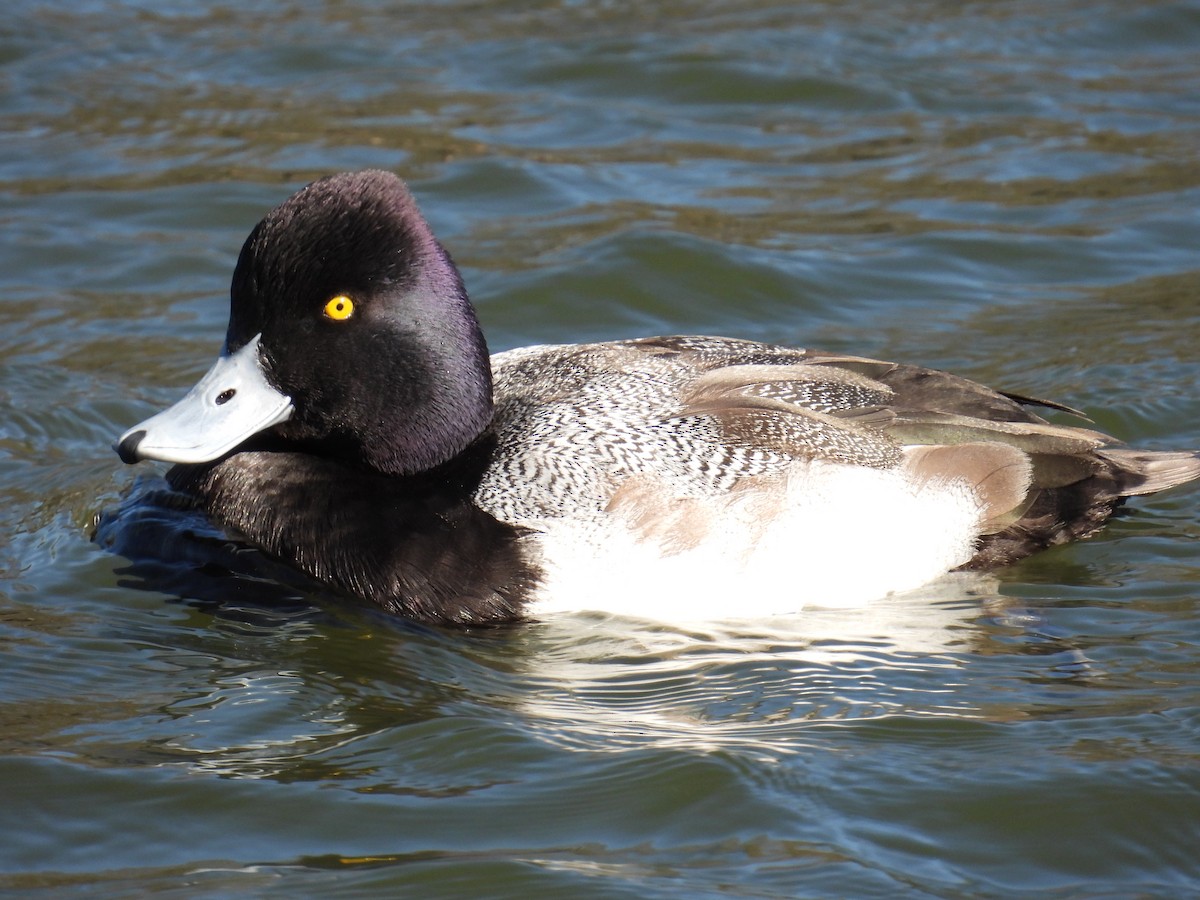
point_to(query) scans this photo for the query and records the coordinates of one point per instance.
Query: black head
(365, 324)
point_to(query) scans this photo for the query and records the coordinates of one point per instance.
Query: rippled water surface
(1010, 190)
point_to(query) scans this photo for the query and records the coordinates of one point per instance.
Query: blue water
(1010, 191)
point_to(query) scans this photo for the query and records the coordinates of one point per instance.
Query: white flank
(834, 536)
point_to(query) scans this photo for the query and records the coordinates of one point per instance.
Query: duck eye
(339, 308)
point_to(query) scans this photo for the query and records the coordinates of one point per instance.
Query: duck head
(350, 335)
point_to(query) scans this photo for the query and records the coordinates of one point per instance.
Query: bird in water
(355, 428)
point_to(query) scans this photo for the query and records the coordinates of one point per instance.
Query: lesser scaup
(354, 427)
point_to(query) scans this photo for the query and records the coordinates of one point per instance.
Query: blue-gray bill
(230, 403)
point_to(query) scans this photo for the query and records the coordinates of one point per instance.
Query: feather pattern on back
(584, 428)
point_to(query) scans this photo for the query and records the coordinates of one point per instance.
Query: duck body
(355, 428)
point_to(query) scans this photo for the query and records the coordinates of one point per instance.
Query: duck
(355, 428)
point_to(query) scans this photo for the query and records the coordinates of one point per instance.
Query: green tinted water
(1007, 190)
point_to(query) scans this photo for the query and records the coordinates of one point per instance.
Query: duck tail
(1140, 472)
(1073, 496)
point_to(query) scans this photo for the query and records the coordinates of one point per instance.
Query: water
(1007, 190)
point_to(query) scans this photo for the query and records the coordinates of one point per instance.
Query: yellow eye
(339, 308)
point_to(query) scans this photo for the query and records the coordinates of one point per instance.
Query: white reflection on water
(610, 683)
